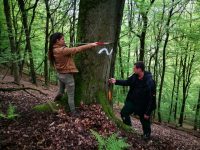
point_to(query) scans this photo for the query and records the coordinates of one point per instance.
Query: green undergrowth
(47, 107)
(113, 142)
(10, 114)
(52, 106)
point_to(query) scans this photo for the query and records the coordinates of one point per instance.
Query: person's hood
(147, 75)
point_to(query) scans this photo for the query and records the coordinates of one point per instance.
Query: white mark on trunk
(106, 50)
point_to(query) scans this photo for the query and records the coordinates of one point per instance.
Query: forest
(164, 34)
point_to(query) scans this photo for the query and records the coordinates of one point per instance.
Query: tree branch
(21, 88)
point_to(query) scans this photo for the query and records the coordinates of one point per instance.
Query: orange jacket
(64, 62)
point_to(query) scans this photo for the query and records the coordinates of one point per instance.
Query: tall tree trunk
(164, 60)
(158, 38)
(121, 64)
(120, 61)
(130, 18)
(144, 14)
(15, 66)
(18, 35)
(30, 25)
(98, 21)
(197, 113)
(28, 42)
(187, 73)
(173, 88)
(177, 89)
(72, 26)
(187, 66)
(46, 43)
(184, 91)
(136, 54)
(143, 36)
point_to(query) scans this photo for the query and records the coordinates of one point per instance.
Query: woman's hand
(97, 43)
(94, 44)
(112, 80)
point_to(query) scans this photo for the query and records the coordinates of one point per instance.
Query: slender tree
(188, 61)
(46, 42)
(130, 26)
(121, 64)
(28, 41)
(144, 10)
(197, 113)
(158, 33)
(177, 89)
(173, 88)
(15, 67)
(187, 76)
(73, 25)
(164, 58)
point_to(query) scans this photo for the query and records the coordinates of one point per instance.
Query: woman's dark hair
(53, 39)
(140, 64)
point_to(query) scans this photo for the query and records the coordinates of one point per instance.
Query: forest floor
(62, 130)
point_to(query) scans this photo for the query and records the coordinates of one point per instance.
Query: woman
(60, 57)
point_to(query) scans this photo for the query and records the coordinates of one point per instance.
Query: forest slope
(39, 130)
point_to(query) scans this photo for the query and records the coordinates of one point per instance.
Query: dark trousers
(129, 109)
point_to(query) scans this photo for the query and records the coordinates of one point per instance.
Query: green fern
(110, 143)
(2, 115)
(10, 113)
(100, 139)
(113, 143)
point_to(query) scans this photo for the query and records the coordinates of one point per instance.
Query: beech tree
(98, 21)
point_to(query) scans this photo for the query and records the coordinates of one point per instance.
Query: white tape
(106, 50)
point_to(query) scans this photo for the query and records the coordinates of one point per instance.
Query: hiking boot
(58, 97)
